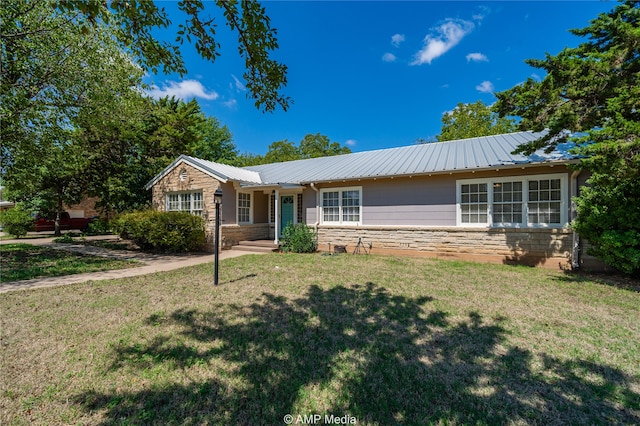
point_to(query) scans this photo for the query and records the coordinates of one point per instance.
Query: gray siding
(421, 201)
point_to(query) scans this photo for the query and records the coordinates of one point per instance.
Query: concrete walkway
(149, 263)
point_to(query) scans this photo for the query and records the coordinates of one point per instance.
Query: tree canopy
(311, 146)
(473, 120)
(591, 96)
(135, 20)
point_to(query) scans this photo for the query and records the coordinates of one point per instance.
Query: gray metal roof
(485, 152)
(222, 172)
(453, 156)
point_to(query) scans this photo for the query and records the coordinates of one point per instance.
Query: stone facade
(233, 234)
(544, 247)
(185, 178)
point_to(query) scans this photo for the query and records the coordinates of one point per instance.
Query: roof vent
(183, 175)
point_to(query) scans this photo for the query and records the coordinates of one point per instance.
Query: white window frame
(341, 211)
(525, 201)
(238, 194)
(175, 201)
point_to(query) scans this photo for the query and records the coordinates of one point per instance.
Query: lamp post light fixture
(217, 200)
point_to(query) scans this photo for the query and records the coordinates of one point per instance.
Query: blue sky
(374, 75)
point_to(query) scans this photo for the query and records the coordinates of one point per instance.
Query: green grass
(384, 340)
(24, 261)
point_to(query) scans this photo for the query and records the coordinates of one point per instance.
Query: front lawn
(377, 340)
(24, 261)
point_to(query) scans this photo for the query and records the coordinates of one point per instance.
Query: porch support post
(277, 210)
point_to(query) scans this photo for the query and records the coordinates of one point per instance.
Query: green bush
(98, 227)
(609, 219)
(162, 231)
(299, 238)
(16, 221)
(65, 239)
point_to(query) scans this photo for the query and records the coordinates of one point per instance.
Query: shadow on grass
(358, 351)
(611, 279)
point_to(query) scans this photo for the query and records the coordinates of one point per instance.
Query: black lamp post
(217, 200)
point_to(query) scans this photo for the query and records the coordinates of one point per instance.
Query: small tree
(16, 221)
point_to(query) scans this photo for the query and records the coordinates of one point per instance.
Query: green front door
(286, 211)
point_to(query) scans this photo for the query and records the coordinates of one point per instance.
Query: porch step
(259, 246)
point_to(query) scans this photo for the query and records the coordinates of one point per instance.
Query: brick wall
(88, 206)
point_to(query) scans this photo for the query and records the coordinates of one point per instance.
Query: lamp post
(217, 200)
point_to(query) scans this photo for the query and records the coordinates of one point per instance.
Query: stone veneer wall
(192, 180)
(233, 234)
(545, 247)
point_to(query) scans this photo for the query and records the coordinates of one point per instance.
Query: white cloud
(389, 57)
(186, 90)
(238, 84)
(231, 104)
(441, 39)
(351, 142)
(484, 11)
(396, 39)
(485, 87)
(477, 57)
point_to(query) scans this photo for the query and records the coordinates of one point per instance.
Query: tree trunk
(56, 230)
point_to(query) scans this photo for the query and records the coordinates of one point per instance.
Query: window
(186, 202)
(528, 201)
(244, 208)
(299, 208)
(341, 205)
(544, 201)
(507, 202)
(473, 203)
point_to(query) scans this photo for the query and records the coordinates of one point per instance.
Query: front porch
(257, 246)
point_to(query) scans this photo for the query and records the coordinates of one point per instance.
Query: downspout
(315, 225)
(575, 257)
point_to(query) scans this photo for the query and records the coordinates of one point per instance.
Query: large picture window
(186, 202)
(341, 205)
(530, 201)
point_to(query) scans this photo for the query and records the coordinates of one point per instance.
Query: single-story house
(470, 199)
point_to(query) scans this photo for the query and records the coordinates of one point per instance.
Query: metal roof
(480, 153)
(222, 172)
(453, 156)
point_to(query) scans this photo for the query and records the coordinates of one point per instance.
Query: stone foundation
(231, 235)
(536, 247)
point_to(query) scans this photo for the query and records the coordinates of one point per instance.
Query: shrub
(99, 227)
(162, 231)
(65, 239)
(16, 221)
(609, 219)
(299, 238)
